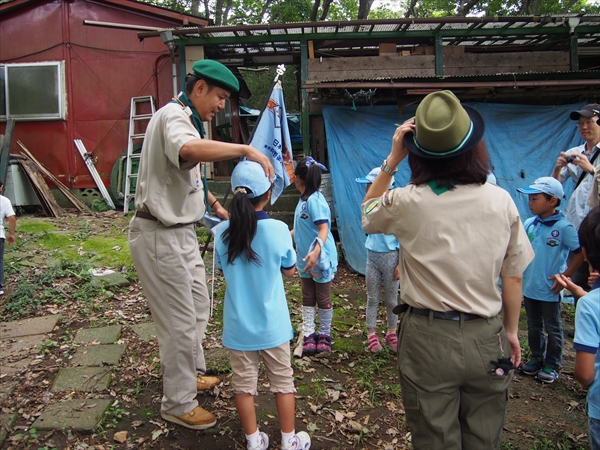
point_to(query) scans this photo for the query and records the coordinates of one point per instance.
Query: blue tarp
(523, 142)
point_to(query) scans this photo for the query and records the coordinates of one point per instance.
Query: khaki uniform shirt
(167, 187)
(453, 246)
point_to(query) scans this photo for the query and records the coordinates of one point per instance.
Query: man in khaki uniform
(169, 201)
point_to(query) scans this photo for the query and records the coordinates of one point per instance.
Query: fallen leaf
(120, 437)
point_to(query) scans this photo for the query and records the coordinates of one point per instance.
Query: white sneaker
(301, 441)
(263, 443)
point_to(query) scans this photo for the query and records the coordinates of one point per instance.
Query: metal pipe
(446, 84)
(125, 26)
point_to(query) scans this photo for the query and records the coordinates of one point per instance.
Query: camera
(570, 158)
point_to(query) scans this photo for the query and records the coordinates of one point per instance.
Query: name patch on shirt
(371, 206)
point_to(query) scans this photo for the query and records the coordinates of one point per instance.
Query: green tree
(238, 12)
(463, 8)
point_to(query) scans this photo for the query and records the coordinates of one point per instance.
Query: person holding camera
(580, 164)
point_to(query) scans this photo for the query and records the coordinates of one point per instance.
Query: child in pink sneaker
(317, 256)
(382, 260)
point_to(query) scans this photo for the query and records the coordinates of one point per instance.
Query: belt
(445, 315)
(148, 216)
(145, 215)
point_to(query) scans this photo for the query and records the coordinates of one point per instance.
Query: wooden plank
(311, 49)
(398, 66)
(513, 62)
(5, 148)
(95, 175)
(370, 67)
(76, 201)
(42, 189)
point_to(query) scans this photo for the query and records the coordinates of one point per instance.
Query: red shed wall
(104, 68)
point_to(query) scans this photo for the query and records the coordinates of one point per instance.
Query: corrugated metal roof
(363, 37)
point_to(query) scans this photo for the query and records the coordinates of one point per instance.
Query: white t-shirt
(6, 210)
(577, 206)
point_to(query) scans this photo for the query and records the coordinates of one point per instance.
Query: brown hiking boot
(204, 383)
(197, 419)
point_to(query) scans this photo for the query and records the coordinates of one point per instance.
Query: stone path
(89, 371)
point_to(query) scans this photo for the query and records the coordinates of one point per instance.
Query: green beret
(216, 73)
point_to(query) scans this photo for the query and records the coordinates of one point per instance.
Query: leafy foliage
(239, 12)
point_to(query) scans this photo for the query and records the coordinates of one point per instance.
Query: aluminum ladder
(137, 122)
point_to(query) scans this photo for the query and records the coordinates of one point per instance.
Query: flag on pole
(271, 136)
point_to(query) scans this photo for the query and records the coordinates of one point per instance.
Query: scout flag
(272, 137)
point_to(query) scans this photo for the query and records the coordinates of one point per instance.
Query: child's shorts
(245, 366)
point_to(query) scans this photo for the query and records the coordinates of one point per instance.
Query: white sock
(254, 439)
(308, 320)
(285, 438)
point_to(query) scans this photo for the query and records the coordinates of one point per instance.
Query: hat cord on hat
(455, 149)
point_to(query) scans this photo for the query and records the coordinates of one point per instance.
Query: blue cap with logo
(250, 175)
(545, 185)
(370, 177)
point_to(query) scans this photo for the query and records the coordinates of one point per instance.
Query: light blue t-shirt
(587, 339)
(255, 313)
(307, 216)
(552, 239)
(381, 243)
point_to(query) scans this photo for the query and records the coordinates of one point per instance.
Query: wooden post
(5, 149)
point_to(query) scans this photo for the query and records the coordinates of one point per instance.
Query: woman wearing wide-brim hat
(458, 234)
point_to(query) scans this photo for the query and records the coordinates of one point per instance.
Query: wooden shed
(71, 68)
(536, 60)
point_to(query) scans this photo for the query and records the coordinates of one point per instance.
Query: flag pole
(280, 71)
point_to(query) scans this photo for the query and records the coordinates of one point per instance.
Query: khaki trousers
(171, 270)
(451, 398)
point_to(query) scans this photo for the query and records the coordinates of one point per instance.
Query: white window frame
(61, 90)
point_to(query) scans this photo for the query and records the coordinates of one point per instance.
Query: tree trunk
(196, 7)
(364, 7)
(326, 5)
(315, 11)
(206, 9)
(465, 8)
(219, 12)
(410, 11)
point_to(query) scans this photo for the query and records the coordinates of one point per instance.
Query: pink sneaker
(392, 341)
(374, 344)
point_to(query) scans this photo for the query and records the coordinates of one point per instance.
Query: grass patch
(68, 282)
(34, 226)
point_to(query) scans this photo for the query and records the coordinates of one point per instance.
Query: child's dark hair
(242, 226)
(310, 175)
(589, 237)
(550, 197)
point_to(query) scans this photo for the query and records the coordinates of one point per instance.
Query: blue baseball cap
(250, 175)
(545, 185)
(370, 177)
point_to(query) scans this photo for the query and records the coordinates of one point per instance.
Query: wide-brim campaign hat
(444, 128)
(370, 177)
(250, 175)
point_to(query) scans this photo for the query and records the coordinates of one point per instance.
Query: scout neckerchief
(592, 162)
(183, 100)
(438, 188)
